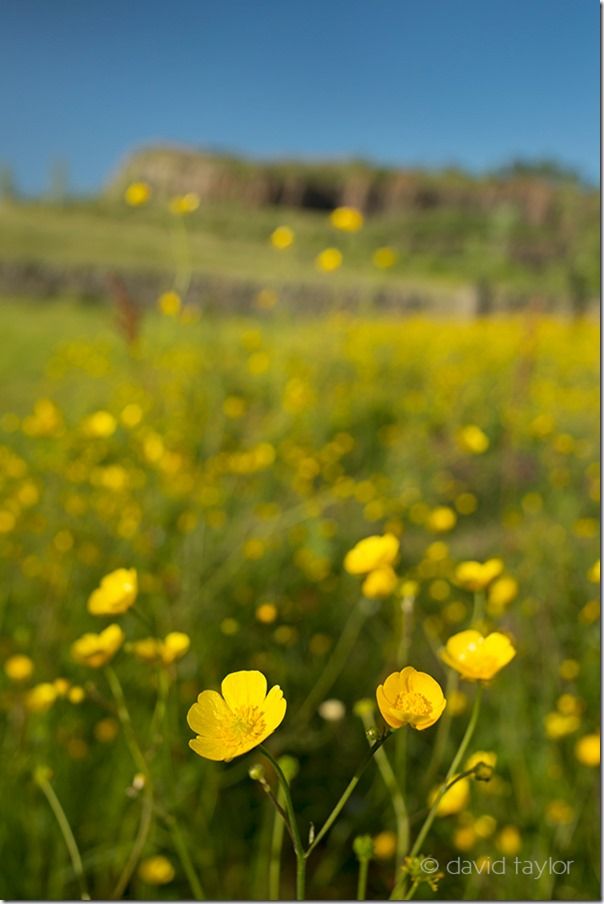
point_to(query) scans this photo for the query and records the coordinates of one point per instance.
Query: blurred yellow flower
(464, 838)
(485, 825)
(594, 572)
(454, 800)
(282, 237)
(234, 723)
(106, 730)
(266, 613)
(508, 841)
(380, 582)
(384, 845)
(137, 193)
(559, 813)
(170, 303)
(41, 697)
(156, 870)
(442, 519)
(19, 667)
(184, 204)
(76, 695)
(101, 424)
(587, 750)
(476, 657)
(411, 698)
(117, 592)
(384, 258)
(481, 756)
(558, 725)
(96, 650)
(328, 260)
(476, 575)
(347, 219)
(473, 439)
(569, 669)
(151, 649)
(501, 594)
(377, 551)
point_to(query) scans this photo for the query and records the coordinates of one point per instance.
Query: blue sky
(406, 82)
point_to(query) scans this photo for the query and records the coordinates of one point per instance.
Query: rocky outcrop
(535, 197)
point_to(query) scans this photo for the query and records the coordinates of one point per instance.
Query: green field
(444, 247)
(233, 464)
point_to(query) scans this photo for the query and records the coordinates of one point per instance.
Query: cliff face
(534, 197)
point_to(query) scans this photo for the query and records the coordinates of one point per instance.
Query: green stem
(184, 857)
(293, 825)
(396, 795)
(362, 882)
(68, 837)
(411, 891)
(347, 792)
(137, 847)
(274, 868)
(336, 662)
(398, 892)
(478, 610)
(148, 798)
(442, 732)
(126, 722)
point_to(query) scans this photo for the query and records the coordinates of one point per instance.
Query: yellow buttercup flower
(594, 572)
(170, 303)
(380, 582)
(476, 575)
(156, 870)
(184, 204)
(282, 237)
(101, 424)
(377, 551)
(117, 592)
(587, 750)
(509, 841)
(328, 260)
(384, 845)
(442, 519)
(476, 657)
(481, 756)
(96, 650)
(18, 667)
(41, 697)
(242, 718)
(384, 258)
(347, 219)
(501, 593)
(454, 800)
(473, 439)
(174, 646)
(558, 725)
(137, 193)
(411, 698)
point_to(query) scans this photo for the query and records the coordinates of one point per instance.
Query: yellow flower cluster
(116, 593)
(374, 557)
(174, 646)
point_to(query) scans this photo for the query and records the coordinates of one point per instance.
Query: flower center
(412, 706)
(249, 722)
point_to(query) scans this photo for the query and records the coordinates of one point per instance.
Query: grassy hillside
(515, 235)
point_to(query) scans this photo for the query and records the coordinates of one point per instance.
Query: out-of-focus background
(272, 280)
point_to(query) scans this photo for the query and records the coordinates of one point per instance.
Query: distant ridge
(533, 191)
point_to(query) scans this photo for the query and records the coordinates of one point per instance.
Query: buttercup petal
(274, 708)
(245, 688)
(207, 715)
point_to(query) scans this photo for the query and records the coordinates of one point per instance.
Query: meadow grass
(242, 459)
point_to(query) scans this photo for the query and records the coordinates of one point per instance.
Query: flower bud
(363, 847)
